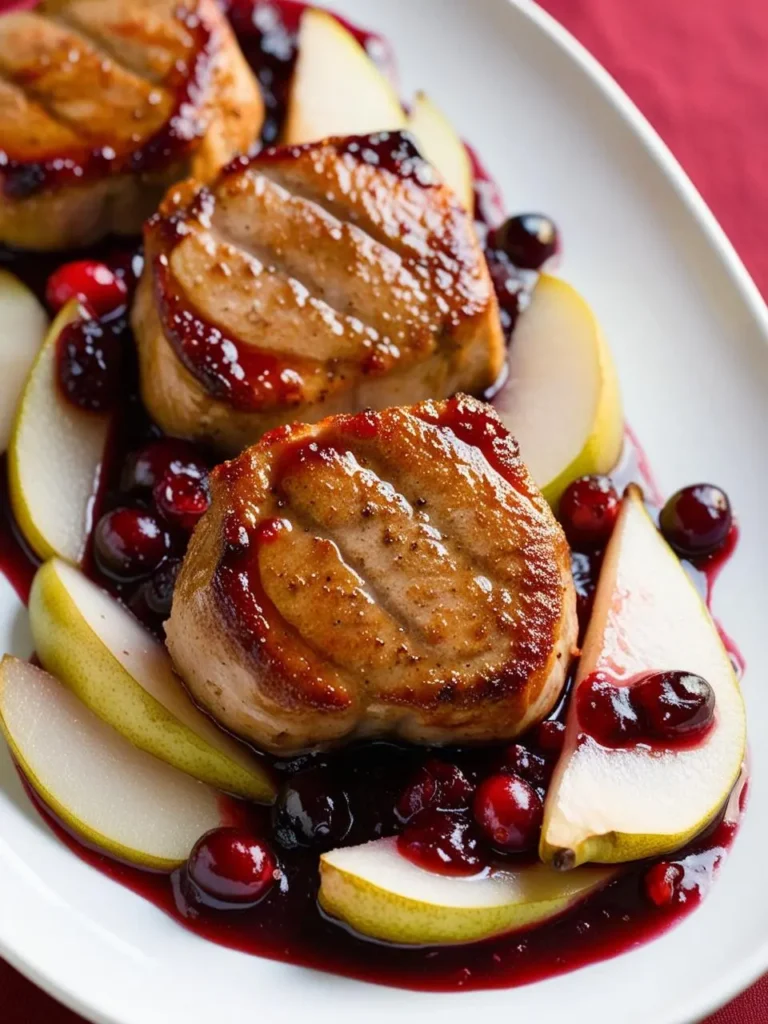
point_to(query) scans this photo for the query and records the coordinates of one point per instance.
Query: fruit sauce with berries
(453, 810)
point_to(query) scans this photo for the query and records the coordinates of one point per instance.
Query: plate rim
(735, 981)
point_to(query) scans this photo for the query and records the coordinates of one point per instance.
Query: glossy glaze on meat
(105, 103)
(393, 573)
(308, 281)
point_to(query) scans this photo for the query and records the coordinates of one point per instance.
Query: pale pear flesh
(383, 895)
(561, 399)
(55, 457)
(23, 324)
(609, 805)
(439, 143)
(123, 674)
(114, 796)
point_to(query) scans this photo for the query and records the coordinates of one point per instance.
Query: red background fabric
(698, 70)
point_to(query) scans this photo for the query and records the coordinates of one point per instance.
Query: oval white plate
(689, 332)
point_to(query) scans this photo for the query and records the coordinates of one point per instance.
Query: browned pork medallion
(105, 103)
(307, 281)
(393, 573)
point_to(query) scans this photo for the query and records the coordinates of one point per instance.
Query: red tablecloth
(698, 70)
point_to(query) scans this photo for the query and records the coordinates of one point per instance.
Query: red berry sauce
(456, 810)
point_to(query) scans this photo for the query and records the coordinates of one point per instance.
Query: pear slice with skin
(337, 89)
(24, 323)
(561, 399)
(55, 456)
(611, 805)
(125, 676)
(115, 797)
(439, 143)
(385, 896)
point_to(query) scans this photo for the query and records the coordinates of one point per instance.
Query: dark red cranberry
(509, 288)
(436, 784)
(311, 811)
(697, 520)
(89, 281)
(158, 589)
(662, 883)
(148, 465)
(127, 266)
(607, 712)
(509, 812)
(550, 737)
(89, 363)
(445, 842)
(588, 510)
(674, 704)
(129, 543)
(182, 498)
(519, 760)
(232, 866)
(529, 240)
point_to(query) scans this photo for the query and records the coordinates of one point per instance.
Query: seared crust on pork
(393, 573)
(105, 103)
(308, 281)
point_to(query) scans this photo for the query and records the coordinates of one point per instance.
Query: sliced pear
(97, 649)
(612, 805)
(439, 143)
(561, 399)
(24, 323)
(383, 895)
(55, 457)
(115, 797)
(337, 89)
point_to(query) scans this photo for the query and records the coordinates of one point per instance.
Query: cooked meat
(104, 104)
(307, 281)
(393, 573)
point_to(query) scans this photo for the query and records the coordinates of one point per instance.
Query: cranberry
(588, 510)
(158, 589)
(443, 842)
(129, 543)
(127, 266)
(697, 520)
(148, 465)
(89, 363)
(509, 812)
(607, 712)
(437, 784)
(585, 568)
(232, 866)
(550, 737)
(662, 883)
(182, 498)
(674, 704)
(518, 760)
(509, 288)
(311, 811)
(89, 281)
(529, 240)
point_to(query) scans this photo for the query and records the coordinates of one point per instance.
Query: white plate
(689, 330)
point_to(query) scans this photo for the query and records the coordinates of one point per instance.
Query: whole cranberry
(437, 784)
(662, 883)
(127, 265)
(519, 760)
(129, 543)
(232, 866)
(697, 520)
(674, 704)
(588, 511)
(158, 589)
(550, 737)
(149, 464)
(445, 842)
(509, 812)
(585, 569)
(508, 285)
(89, 364)
(89, 281)
(529, 240)
(182, 498)
(311, 811)
(607, 712)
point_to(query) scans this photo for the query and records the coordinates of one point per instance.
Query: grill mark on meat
(39, 102)
(101, 47)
